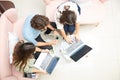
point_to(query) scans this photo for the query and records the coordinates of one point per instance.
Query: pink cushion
(92, 12)
(11, 14)
(18, 28)
(5, 27)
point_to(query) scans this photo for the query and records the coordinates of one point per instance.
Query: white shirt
(73, 7)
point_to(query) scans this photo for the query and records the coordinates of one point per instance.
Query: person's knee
(71, 30)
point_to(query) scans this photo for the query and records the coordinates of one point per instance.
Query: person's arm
(42, 50)
(38, 71)
(62, 32)
(53, 42)
(51, 27)
(77, 24)
(38, 49)
(77, 29)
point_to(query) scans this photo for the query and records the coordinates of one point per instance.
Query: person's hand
(68, 40)
(77, 37)
(53, 42)
(55, 33)
(42, 50)
(45, 51)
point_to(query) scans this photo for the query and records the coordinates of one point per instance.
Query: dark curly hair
(39, 22)
(68, 17)
(22, 52)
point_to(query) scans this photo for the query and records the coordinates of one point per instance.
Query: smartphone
(29, 75)
(57, 37)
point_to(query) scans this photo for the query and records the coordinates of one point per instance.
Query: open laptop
(77, 50)
(46, 62)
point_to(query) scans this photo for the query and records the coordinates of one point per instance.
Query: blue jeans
(69, 29)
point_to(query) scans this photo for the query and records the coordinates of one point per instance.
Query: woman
(23, 57)
(67, 19)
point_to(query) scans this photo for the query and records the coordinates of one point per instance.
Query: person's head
(23, 52)
(39, 22)
(68, 16)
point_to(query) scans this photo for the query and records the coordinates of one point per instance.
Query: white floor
(103, 62)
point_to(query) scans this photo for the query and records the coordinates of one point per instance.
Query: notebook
(76, 50)
(46, 62)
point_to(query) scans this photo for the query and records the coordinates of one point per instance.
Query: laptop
(46, 62)
(77, 50)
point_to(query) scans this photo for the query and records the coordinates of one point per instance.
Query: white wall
(26, 7)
